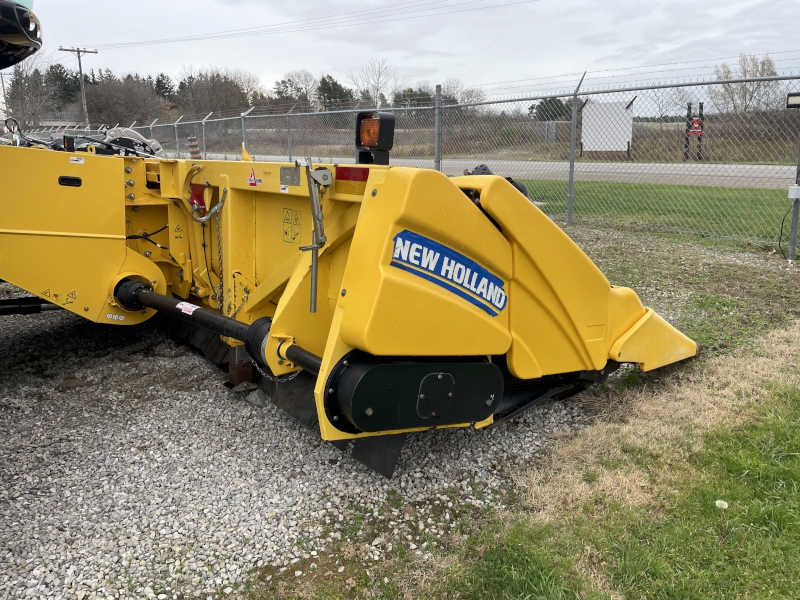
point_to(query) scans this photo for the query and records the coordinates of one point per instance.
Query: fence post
(289, 137)
(688, 127)
(289, 132)
(437, 135)
(795, 214)
(573, 137)
(177, 143)
(355, 113)
(244, 126)
(205, 155)
(700, 137)
(151, 129)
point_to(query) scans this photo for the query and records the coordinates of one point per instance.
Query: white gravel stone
(129, 468)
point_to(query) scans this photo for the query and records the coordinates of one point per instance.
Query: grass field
(731, 213)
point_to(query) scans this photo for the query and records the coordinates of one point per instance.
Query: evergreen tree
(164, 86)
(332, 95)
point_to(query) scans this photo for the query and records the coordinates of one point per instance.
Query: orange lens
(369, 132)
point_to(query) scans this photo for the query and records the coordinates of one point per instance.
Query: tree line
(36, 90)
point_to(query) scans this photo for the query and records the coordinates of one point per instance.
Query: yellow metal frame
(72, 245)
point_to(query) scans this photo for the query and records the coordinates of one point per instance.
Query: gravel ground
(128, 470)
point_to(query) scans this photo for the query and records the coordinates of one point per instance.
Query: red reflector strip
(352, 174)
(197, 198)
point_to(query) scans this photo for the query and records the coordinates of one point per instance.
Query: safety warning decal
(291, 226)
(70, 298)
(76, 160)
(186, 307)
(253, 181)
(449, 269)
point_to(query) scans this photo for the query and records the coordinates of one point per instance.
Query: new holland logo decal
(449, 269)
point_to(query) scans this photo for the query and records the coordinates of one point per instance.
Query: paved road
(725, 175)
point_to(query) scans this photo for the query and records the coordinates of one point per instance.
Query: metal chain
(220, 285)
(272, 377)
(241, 304)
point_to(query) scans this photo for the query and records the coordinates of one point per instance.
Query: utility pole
(78, 52)
(5, 106)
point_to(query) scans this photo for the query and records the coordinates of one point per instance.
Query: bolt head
(344, 293)
(369, 412)
(450, 395)
(280, 361)
(422, 396)
(374, 193)
(489, 402)
(330, 390)
(86, 309)
(336, 417)
(433, 414)
(346, 363)
(440, 375)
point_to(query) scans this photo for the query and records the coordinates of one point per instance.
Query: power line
(591, 78)
(623, 69)
(268, 28)
(328, 22)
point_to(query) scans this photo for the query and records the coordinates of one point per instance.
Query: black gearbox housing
(368, 393)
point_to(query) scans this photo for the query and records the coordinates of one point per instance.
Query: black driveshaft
(135, 295)
(310, 362)
(25, 306)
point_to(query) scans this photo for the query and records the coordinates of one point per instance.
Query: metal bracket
(316, 178)
(213, 211)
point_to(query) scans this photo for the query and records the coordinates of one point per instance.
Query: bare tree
(471, 94)
(131, 98)
(304, 83)
(750, 96)
(452, 88)
(28, 98)
(374, 80)
(248, 82)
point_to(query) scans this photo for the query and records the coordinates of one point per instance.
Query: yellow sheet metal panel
(60, 242)
(653, 343)
(405, 291)
(625, 310)
(558, 298)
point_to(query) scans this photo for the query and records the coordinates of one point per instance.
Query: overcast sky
(505, 44)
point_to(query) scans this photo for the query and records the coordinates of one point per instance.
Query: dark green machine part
(367, 393)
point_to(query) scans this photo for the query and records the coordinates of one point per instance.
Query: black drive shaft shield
(368, 393)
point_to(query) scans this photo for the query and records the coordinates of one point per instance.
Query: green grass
(696, 550)
(519, 564)
(684, 548)
(740, 213)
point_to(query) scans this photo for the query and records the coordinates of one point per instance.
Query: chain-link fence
(709, 158)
